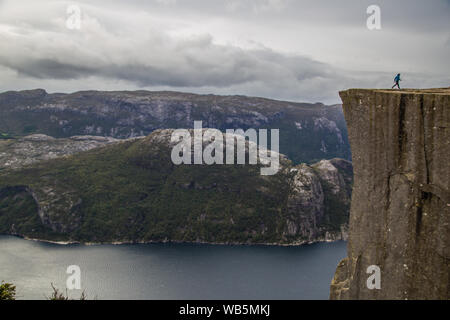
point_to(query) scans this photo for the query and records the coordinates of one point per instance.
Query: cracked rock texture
(399, 217)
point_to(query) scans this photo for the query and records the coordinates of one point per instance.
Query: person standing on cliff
(397, 82)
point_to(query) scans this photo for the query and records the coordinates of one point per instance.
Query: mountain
(400, 212)
(130, 191)
(308, 132)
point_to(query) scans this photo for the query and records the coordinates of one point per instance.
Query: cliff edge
(399, 217)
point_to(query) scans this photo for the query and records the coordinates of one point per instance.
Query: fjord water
(172, 271)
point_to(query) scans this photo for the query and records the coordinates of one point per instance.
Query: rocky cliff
(399, 217)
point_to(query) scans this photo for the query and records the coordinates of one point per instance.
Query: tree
(7, 291)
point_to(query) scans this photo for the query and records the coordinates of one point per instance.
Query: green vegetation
(16, 204)
(131, 192)
(7, 291)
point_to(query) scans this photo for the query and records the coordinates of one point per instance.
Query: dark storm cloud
(191, 64)
(46, 68)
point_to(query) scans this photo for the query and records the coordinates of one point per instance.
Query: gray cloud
(297, 50)
(193, 63)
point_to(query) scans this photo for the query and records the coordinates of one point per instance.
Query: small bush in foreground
(59, 295)
(7, 291)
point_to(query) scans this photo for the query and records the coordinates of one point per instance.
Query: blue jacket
(397, 78)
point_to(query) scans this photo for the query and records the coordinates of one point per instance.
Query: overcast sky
(301, 50)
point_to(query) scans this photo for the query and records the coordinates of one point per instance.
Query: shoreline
(123, 243)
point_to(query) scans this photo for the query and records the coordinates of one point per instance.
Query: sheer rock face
(314, 192)
(399, 217)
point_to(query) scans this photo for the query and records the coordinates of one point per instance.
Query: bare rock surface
(16, 153)
(400, 219)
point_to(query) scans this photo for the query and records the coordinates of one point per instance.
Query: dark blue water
(172, 271)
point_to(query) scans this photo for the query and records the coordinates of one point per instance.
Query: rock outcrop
(17, 153)
(400, 219)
